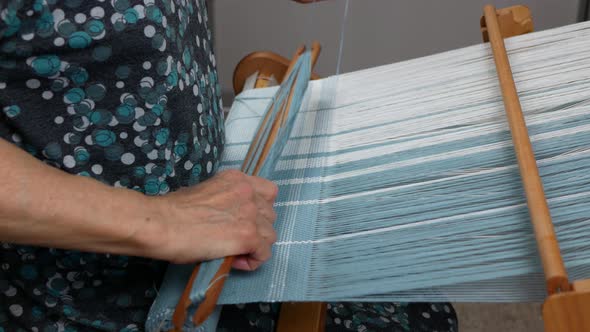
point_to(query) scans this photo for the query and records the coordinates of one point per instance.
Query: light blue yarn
(561, 179)
(504, 236)
(482, 247)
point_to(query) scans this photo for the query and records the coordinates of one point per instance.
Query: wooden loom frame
(563, 310)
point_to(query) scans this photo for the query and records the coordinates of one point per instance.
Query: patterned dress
(121, 91)
(124, 92)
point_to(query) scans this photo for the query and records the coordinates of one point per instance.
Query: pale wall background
(377, 31)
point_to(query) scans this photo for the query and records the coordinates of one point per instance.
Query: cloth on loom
(400, 182)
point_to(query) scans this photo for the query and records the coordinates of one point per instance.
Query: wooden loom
(563, 310)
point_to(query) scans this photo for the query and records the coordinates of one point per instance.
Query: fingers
(266, 189)
(266, 213)
(248, 188)
(234, 212)
(260, 242)
(266, 230)
(246, 263)
(241, 263)
(253, 261)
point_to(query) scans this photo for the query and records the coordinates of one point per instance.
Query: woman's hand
(229, 215)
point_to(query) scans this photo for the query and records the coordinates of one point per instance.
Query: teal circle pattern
(111, 91)
(79, 39)
(46, 65)
(104, 137)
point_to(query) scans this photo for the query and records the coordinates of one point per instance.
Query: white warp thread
(402, 184)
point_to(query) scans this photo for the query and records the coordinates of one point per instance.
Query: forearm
(41, 205)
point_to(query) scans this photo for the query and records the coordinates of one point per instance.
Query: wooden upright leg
(302, 317)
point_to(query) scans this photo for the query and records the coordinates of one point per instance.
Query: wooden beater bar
(207, 307)
(566, 308)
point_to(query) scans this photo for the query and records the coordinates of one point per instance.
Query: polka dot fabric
(349, 317)
(127, 86)
(125, 92)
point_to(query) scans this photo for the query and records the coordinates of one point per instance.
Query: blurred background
(376, 32)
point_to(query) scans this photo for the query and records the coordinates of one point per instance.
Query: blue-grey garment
(125, 92)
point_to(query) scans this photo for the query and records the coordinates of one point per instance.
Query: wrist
(146, 231)
(100, 218)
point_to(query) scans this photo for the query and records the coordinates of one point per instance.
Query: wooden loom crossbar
(564, 308)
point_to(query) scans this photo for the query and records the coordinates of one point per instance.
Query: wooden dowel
(209, 304)
(316, 48)
(179, 315)
(285, 108)
(285, 111)
(315, 53)
(296, 56)
(555, 273)
(252, 148)
(274, 130)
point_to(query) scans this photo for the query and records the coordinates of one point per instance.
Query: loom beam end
(567, 311)
(514, 21)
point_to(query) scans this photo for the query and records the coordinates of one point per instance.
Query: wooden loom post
(564, 309)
